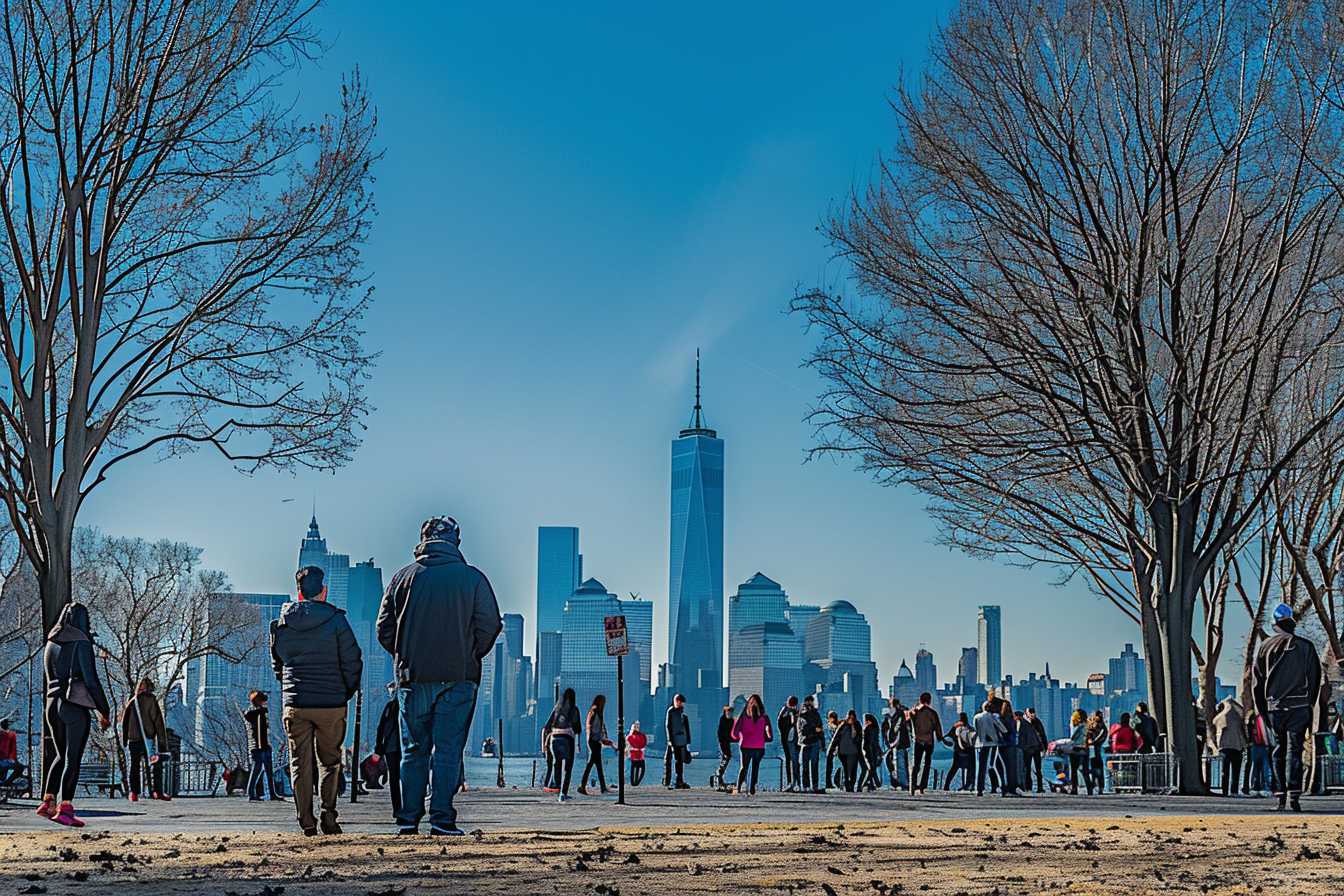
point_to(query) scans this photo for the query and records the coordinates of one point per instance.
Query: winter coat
(787, 725)
(724, 734)
(896, 731)
(678, 728)
(872, 740)
(315, 656)
(811, 730)
(1125, 739)
(989, 729)
(637, 742)
(564, 722)
(150, 714)
(1028, 738)
(388, 739)
(1146, 726)
(596, 726)
(1287, 674)
(752, 734)
(1227, 731)
(845, 742)
(69, 657)
(928, 728)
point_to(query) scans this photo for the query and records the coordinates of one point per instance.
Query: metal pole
(354, 754)
(34, 785)
(620, 730)
(499, 751)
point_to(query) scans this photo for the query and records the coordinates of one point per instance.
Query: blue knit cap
(1282, 612)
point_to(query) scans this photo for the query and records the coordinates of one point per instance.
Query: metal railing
(1142, 772)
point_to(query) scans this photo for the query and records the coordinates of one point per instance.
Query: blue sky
(572, 201)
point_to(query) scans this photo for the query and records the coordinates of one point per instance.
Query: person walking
(872, 753)
(257, 721)
(318, 664)
(810, 735)
(387, 744)
(10, 767)
(724, 738)
(1146, 725)
(787, 726)
(896, 733)
(926, 730)
(1286, 685)
(752, 732)
(989, 731)
(636, 743)
(561, 731)
(1009, 755)
(961, 738)
(847, 744)
(143, 731)
(596, 727)
(73, 689)
(439, 619)
(1227, 735)
(1031, 740)
(832, 725)
(1078, 758)
(678, 728)
(1261, 771)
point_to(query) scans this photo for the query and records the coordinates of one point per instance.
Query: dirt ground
(1301, 854)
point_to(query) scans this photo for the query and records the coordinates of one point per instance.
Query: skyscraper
(584, 665)
(839, 660)
(768, 661)
(559, 572)
(990, 646)
(926, 673)
(1127, 672)
(365, 584)
(758, 600)
(968, 669)
(695, 586)
(313, 552)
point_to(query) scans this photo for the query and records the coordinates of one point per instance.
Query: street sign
(617, 642)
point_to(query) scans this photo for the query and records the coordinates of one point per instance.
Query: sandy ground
(1125, 856)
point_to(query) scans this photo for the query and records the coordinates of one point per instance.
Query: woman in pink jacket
(752, 732)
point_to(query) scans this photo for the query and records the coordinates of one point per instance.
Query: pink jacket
(752, 734)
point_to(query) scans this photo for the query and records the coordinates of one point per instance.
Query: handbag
(78, 694)
(151, 748)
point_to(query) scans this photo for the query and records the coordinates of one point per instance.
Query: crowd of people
(439, 618)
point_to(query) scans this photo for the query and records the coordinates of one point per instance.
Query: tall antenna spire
(698, 427)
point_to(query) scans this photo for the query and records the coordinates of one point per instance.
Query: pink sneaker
(66, 816)
(48, 807)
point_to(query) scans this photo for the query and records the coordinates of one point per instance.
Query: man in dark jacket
(896, 733)
(143, 731)
(439, 619)
(1031, 738)
(927, 730)
(678, 743)
(788, 742)
(811, 733)
(1146, 725)
(724, 735)
(1286, 684)
(318, 663)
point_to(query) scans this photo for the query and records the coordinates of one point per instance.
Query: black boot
(1295, 802)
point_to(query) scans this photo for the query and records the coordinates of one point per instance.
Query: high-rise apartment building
(990, 646)
(926, 673)
(559, 572)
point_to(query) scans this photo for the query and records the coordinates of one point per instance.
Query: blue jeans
(1262, 773)
(792, 766)
(811, 758)
(261, 772)
(435, 717)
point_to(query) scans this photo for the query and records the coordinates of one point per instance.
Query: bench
(99, 776)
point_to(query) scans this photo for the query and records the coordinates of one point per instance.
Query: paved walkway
(509, 809)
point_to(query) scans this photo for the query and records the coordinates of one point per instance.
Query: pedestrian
(847, 745)
(387, 744)
(810, 735)
(596, 727)
(872, 753)
(961, 738)
(318, 664)
(1227, 735)
(1032, 741)
(989, 731)
(73, 689)
(1009, 754)
(1078, 759)
(439, 619)
(10, 767)
(787, 725)
(561, 731)
(926, 730)
(724, 737)
(678, 744)
(832, 725)
(1146, 725)
(896, 733)
(1097, 736)
(548, 779)
(752, 732)
(1125, 738)
(1286, 683)
(143, 731)
(258, 724)
(636, 742)
(1261, 771)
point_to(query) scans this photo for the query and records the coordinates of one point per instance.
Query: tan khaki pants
(315, 738)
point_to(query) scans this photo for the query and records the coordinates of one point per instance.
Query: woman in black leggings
(597, 738)
(73, 688)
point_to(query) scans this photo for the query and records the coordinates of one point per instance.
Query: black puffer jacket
(439, 617)
(1287, 673)
(389, 730)
(316, 658)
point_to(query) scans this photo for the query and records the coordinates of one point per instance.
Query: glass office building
(839, 633)
(990, 646)
(767, 660)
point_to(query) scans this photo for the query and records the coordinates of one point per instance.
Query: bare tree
(179, 252)
(1106, 247)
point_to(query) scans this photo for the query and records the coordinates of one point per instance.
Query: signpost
(618, 645)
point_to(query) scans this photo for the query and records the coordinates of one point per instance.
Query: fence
(191, 778)
(1142, 772)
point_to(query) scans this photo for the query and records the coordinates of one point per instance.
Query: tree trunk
(1155, 665)
(1174, 620)
(53, 584)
